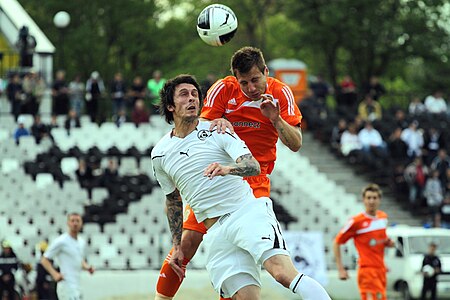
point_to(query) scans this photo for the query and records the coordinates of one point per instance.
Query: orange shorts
(372, 283)
(261, 188)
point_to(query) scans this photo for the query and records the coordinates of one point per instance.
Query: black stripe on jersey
(298, 281)
(229, 133)
(158, 156)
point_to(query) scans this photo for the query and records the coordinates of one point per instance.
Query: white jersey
(180, 163)
(69, 254)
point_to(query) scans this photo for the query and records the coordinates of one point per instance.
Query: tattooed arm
(246, 165)
(174, 206)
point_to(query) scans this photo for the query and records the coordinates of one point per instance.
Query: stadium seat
(43, 180)
(69, 165)
(9, 165)
(138, 261)
(117, 263)
(108, 251)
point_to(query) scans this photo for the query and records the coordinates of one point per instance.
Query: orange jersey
(226, 99)
(369, 236)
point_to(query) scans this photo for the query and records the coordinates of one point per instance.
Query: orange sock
(168, 281)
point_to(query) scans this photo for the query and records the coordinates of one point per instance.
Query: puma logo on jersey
(266, 238)
(185, 153)
(232, 101)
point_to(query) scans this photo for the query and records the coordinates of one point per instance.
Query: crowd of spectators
(404, 148)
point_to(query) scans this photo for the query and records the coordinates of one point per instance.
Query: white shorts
(239, 242)
(66, 292)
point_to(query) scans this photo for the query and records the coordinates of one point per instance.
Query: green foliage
(403, 42)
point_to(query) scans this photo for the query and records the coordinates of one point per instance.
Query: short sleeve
(53, 249)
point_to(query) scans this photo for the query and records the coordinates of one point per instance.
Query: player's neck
(184, 127)
(371, 213)
(73, 234)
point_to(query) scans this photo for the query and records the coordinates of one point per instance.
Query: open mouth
(192, 107)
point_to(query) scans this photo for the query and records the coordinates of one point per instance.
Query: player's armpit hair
(174, 206)
(246, 165)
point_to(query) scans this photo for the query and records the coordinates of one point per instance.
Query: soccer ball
(217, 24)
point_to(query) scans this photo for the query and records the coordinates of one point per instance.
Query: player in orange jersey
(261, 109)
(368, 230)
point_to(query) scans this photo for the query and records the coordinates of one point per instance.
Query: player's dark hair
(372, 188)
(245, 58)
(167, 92)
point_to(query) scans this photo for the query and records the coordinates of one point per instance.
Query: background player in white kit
(68, 250)
(225, 203)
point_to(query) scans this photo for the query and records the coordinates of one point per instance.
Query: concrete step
(344, 175)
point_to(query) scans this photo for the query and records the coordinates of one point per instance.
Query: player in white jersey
(206, 168)
(68, 250)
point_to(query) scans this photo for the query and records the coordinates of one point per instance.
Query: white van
(404, 262)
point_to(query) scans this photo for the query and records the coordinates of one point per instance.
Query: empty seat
(9, 165)
(43, 180)
(69, 165)
(138, 261)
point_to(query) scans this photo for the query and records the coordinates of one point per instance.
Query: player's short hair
(245, 58)
(372, 188)
(72, 214)
(167, 92)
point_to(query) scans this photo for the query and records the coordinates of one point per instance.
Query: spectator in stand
(447, 186)
(400, 119)
(34, 88)
(371, 141)
(433, 141)
(413, 138)
(121, 118)
(435, 103)
(416, 176)
(15, 95)
(336, 134)
(39, 130)
(72, 121)
(9, 264)
(110, 175)
(374, 88)
(60, 94)
(20, 130)
(85, 176)
(348, 96)
(397, 147)
(137, 91)
(416, 107)
(76, 91)
(369, 110)
(314, 110)
(321, 89)
(351, 145)
(433, 192)
(118, 92)
(140, 113)
(441, 163)
(445, 212)
(94, 90)
(154, 85)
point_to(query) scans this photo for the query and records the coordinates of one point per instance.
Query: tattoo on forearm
(246, 165)
(174, 206)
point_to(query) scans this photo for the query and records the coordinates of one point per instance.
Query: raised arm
(290, 135)
(246, 165)
(174, 206)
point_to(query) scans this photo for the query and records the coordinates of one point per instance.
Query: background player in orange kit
(261, 109)
(368, 230)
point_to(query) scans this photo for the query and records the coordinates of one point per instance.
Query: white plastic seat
(43, 180)
(117, 263)
(108, 251)
(138, 261)
(9, 165)
(69, 165)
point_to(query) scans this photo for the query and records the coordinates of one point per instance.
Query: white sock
(308, 288)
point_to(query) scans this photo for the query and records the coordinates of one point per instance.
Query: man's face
(75, 223)
(187, 102)
(253, 83)
(371, 202)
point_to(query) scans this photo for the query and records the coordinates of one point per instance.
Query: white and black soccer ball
(217, 24)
